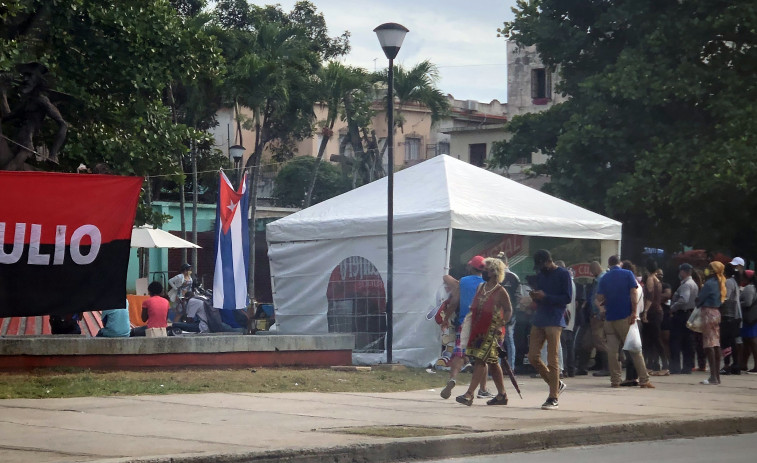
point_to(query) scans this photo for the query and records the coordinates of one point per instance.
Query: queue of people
(623, 317)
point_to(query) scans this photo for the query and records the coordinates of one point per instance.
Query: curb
(494, 442)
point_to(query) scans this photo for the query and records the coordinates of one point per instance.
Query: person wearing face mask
(552, 294)
(682, 338)
(462, 297)
(710, 298)
(489, 312)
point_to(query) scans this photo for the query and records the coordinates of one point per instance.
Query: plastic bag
(465, 331)
(633, 339)
(695, 322)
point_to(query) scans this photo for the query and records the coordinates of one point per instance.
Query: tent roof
(440, 193)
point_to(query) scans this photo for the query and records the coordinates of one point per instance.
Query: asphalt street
(723, 449)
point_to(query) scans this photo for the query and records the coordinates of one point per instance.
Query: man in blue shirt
(617, 294)
(463, 293)
(552, 294)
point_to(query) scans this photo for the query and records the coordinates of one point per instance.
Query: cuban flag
(232, 249)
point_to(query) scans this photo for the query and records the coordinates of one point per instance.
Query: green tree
(110, 65)
(342, 87)
(659, 128)
(416, 85)
(293, 181)
(272, 60)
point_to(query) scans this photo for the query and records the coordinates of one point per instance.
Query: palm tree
(417, 85)
(340, 85)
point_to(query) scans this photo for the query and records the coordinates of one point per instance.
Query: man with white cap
(738, 263)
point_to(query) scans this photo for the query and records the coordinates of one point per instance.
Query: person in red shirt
(155, 311)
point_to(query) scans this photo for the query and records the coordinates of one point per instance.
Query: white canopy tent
(330, 259)
(148, 237)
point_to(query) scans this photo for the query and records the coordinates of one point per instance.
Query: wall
(520, 63)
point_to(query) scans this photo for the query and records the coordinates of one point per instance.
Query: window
(541, 84)
(477, 153)
(412, 149)
(442, 148)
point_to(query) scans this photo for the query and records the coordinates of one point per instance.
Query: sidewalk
(306, 426)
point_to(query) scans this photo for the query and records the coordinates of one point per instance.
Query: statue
(32, 109)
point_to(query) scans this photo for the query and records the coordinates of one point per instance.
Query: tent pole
(449, 252)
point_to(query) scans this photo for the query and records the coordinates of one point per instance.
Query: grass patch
(86, 383)
(403, 431)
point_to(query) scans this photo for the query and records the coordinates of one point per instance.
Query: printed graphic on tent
(515, 248)
(357, 303)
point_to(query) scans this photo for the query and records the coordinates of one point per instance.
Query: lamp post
(390, 36)
(237, 152)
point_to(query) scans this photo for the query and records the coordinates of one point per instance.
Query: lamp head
(236, 152)
(390, 37)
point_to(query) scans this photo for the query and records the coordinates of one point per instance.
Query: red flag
(66, 240)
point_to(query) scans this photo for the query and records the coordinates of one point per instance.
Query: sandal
(464, 399)
(500, 399)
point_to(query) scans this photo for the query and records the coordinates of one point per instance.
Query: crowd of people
(626, 315)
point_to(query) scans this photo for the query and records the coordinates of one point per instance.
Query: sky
(460, 37)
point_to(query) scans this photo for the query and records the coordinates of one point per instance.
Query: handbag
(633, 339)
(695, 322)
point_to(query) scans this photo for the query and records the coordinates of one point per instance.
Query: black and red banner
(65, 241)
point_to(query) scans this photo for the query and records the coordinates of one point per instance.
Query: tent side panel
(323, 286)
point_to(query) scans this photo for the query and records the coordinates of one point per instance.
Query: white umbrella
(148, 237)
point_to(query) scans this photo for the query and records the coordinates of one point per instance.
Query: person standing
(681, 338)
(155, 312)
(511, 283)
(180, 284)
(710, 298)
(585, 339)
(617, 294)
(553, 293)
(463, 292)
(490, 311)
(749, 330)
(730, 320)
(567, 338)
(651, 319)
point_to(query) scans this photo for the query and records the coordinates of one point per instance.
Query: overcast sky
(460, 37)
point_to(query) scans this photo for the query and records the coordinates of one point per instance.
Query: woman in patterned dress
(489, 313)
(713, 294)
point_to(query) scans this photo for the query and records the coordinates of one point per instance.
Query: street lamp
(390, 36)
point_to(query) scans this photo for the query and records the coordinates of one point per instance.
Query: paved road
(725, 449)
(187, 425)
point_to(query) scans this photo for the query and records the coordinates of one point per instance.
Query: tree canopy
(293, 181)
(659, 130)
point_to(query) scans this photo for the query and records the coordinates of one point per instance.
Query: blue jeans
(510, 344)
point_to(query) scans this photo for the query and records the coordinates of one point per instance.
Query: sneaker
(752, 371)
(550, 404)
(563, 386)
(447, 391)
(482, 394)
(467, 368)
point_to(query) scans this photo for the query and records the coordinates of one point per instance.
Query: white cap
(737, 261)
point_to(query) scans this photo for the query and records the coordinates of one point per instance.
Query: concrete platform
(29, 352)
(315, 427)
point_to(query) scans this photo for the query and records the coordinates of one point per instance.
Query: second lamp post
(390, 37)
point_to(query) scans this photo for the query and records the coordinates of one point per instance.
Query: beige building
(467, 134)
